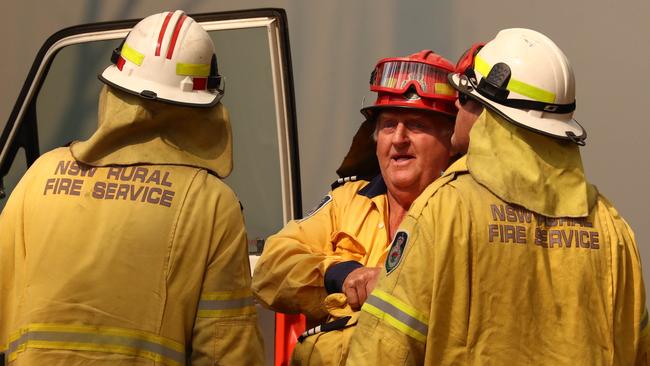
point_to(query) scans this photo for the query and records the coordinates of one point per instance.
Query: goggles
(397, 75)
(496, 84)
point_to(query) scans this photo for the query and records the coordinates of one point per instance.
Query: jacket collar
(133, 131)
(376, 187)
(543, 174)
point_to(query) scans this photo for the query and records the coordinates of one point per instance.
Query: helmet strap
(115, 56)
(494, 88)
(214, 79)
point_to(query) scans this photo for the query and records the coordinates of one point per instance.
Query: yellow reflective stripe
(226, 304)
(444, 89)
(248, 310)
(397, 314)
(132, 55)
(481, 66)
(519, 87)
(226, 295)
(531, 91)
(193, 69)
(130, 351)
(96, 338)
(80, 328)
(411, 311)
(371, 309)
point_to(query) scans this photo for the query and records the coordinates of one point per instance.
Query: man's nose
(401, 134)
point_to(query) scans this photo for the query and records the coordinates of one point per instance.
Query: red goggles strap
(466, 61)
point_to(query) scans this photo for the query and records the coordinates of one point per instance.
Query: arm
(289, 276)
(12, 255)
(225, 330)
(631, 311)
(9, 233)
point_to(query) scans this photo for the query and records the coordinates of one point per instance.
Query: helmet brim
(370, 111)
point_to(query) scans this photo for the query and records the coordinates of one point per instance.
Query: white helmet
(523, 76)
(167, 57)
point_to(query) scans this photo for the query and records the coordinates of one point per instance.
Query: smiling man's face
(412, 148)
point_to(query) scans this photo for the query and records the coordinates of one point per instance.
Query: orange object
(287, 329)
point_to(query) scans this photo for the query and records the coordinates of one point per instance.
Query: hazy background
(336, 43)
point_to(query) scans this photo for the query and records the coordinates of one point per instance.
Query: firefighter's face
(412, 148)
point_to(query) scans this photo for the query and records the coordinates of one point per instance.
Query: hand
(359, 284)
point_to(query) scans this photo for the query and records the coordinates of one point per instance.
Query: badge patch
(396, 250)
(327, 199)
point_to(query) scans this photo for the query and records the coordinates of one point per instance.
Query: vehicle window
(18, 168)
(66, 106)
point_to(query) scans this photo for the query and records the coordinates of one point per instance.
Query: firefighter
(127, 248)
(326, 264)
(511, 257)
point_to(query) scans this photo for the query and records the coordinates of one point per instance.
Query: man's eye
(388, 125)
(417, 125)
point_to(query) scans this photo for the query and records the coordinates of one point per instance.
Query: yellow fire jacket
(125, 265)
(472, 278)
(348, 225)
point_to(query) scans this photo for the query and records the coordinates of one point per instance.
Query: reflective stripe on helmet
(97, 339)
(193, 69)
(397, 314)
(519, 87)
(131, 55)
(225, 304)
(161, 34)
(177, 30)
(444, 89)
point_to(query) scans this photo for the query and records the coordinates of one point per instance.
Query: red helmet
(418, 81)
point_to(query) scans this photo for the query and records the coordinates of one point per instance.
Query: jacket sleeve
(225, 330)
(12, 254)
(10, 233)
(289, 277)
(400, 318)
(631, 310)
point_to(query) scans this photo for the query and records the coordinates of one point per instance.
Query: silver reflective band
(82, 341)
(396, 313)
(312, 331)
(226, 304)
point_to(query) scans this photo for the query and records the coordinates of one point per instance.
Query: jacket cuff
(336, 275)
